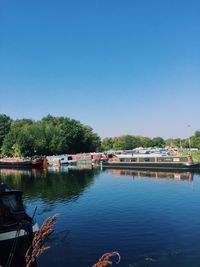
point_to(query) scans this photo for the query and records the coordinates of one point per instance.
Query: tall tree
(50, 136)
(158, 141)
(107, 143)
(5, 124)
(197, 133)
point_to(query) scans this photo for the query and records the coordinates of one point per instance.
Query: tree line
(128, 142)
(61, 135)
(48, 136)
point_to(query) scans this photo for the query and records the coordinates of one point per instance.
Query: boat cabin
(152, 158)
(11, 207)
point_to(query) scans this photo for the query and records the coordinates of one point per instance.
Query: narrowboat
(14, 220)
(151, 161)
(15, 163)
(60, 160)
(16, 226)
(37, 162)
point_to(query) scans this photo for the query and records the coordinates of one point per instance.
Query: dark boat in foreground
(16, 227)
(151, 162)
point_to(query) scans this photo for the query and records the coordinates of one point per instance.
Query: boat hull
(13, 233)
(37, 163)
(22, 240)
(152, 166)
(13, 164)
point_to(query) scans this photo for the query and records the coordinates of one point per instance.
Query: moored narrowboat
(37, 162)
(15, 163)
(13, 216)
(16, 227)
(127, 161)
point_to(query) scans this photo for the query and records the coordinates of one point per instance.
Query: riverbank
(195, 155)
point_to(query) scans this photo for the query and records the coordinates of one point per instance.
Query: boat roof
(149, 156)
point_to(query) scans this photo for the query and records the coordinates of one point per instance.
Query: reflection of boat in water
(15, 172)
(16, 227)
(151, 162)
(162, 175)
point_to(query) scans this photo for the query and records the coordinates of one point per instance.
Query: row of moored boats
(110, 160)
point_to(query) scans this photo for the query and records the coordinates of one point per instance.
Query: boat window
(184, 159)
(70, 158)
(147, 159)
(133, 159)
(176, 159)
(128, 159)
(164, 159)
(11, 208)
(11, 201)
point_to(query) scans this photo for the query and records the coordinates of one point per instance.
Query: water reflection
(52, 184)
(161, 175)
(149, 223)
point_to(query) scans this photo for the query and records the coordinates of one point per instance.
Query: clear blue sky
(120, 66)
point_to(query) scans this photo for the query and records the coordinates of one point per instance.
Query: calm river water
(150, 218)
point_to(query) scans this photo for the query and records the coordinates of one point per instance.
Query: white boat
(60, 159)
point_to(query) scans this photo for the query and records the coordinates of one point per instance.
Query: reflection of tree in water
(49, 186)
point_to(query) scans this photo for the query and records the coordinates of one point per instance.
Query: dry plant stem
(105, 259)
(37, 248)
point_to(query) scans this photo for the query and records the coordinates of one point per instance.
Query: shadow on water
(50, 185)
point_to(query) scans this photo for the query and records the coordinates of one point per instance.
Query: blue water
(150, 221)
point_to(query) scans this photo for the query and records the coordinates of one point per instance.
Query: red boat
(38, 162)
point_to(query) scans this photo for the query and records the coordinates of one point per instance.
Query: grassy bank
(195, 155)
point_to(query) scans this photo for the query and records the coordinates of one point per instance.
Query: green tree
(158, 142)
(174, 142)
(5, 124)
(124, 142)
(195, 142)
(20, 136)
(118, 143)
(16, 151)
(144, 141)
(91, 141)
(9, 140)
(51, 135)
(107, 143)
(197, 133)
